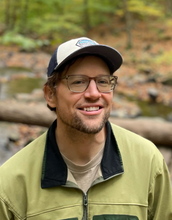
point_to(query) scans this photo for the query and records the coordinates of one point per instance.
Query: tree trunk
(7, 13)
(127, 16)
(159, 132)
(169, 7)
(23, 22)
(86, 16)
(14, 13)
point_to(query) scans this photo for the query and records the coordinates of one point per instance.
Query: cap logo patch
(85, 43)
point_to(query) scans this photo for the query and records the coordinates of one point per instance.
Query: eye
(78, 82)
(103, 81)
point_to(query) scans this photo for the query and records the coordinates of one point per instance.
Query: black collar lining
(54, 170)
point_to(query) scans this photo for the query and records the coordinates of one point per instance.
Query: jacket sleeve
(160, 196)
(5, 213)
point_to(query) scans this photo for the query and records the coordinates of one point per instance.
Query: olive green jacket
(133, 183)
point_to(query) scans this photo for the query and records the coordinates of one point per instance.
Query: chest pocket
(71, 219)
(115, 217)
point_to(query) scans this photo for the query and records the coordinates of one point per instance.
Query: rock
(151, 79)
(38, 94)
(167, 82)
(13, 137)
(4, 156)
(35, 95)
(144, 68)
(139, 78)
(153, 93)
(5, 151)
(124, 109)
(169, 117)
(147, 47)
(24, 97)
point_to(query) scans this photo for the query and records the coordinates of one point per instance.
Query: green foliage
(54, 25)
(40, 19)
(143, 9)
(23, 42)
(164, 58)
(23, 21)
(169, 23)
(101, 11)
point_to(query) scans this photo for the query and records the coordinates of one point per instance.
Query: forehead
(87, 65)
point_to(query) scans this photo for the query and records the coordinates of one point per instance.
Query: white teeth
(91, 109)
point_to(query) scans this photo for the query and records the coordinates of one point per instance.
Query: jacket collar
(54, 170)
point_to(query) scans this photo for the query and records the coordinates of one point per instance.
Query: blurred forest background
(139, 29)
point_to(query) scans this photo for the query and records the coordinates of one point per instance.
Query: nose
(92, 92)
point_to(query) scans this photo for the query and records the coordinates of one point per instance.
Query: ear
(49, 96)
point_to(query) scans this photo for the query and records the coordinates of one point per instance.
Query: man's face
(87, 111)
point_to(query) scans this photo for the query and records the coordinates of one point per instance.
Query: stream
(18, 80)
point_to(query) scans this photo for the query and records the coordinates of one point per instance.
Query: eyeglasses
(79, 83)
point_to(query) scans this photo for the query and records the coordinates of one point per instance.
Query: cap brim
(111, 56)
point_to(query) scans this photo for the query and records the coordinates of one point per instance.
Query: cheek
(68, 99)
(108, 97)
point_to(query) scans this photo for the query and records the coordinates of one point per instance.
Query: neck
(77, 146)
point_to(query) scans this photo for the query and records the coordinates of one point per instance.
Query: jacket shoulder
(24, 158)
(16, 175)
(135, 145)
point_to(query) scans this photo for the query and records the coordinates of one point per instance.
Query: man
(84, 167)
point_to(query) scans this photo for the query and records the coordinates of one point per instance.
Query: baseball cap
(84, 46)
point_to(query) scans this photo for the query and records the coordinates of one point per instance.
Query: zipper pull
(85, 200)
(85, 204)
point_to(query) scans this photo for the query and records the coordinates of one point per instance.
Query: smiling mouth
(89, 109)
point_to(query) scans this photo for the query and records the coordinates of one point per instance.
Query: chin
(89, 127)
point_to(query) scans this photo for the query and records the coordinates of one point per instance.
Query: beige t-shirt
(84, 175)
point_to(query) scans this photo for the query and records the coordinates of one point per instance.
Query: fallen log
(159, 132)
(26, 113)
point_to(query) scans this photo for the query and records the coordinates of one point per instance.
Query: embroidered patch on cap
(85, 43)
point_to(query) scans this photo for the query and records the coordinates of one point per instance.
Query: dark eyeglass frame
(112, 78)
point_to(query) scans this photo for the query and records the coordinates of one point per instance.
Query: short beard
(80, 126)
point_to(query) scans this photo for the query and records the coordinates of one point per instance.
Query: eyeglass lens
(80, 83)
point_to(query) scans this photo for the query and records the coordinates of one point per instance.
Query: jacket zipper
(85, 206)
(85, 195)
(85, 201)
